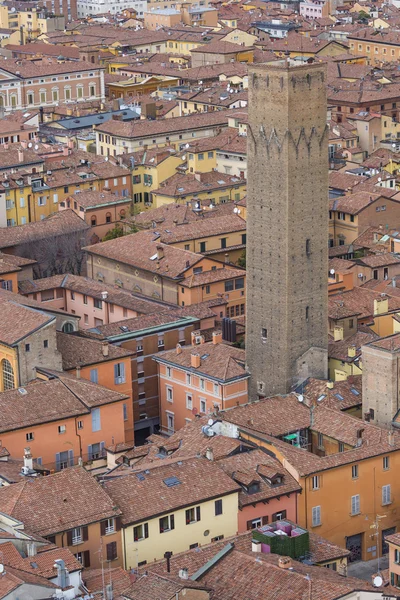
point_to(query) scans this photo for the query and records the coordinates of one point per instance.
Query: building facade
(286, 269)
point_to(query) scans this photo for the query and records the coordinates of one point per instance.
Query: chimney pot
(178, 349)
(105, 348)
(195, 361)
(78, 372)
(217, 337)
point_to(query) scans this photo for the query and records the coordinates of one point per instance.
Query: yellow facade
(8, 358)
(201, 162)
(146, 178)
(183, 535)
(176, 46)
(341, 370)
(17, 205)
(233, 193)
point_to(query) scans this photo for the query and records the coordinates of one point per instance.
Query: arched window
(67, 328)
(108, 217)
(93, 221)
(13, 101)
(122, 214)
(8, 375)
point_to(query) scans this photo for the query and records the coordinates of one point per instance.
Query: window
(218, 507)
(320, 440)
(94, 376)
(386, 495)
(279, 516)
(229, 285)
(141, 532)
(207, 289)
(170, 395)
(97, 303)
(354, 471)
(62, 428)
(316, 516)
(202, 384)
(111, 550)
(119, 373)
(170, 422)
(397, 557)
(385, 463)
(264, 334)
(202, 246)
(96, 422)
(7, 375)
(355, 504)
(223, 242)
(341, 447)
(80, 424)
(341, 216)
(167, 523)
(189, 401)
(203, 405)
(168, 371)
(315, 482)
(308, 247)
(192, 515)
(307, 313)
(239, 283)
(216, 389)
(27, 347)
(30, 436)
(125, 411)
(45, 343)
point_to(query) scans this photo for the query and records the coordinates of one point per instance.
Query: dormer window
(254, 487)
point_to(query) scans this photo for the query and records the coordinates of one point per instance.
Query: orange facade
(232, 290)
(59, 448)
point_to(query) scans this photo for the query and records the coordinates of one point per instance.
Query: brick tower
(287, 226)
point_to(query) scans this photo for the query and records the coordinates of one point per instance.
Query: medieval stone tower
(287, 226)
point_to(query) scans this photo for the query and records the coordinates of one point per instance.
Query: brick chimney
(20, 156)
(105, 348)
(217, 337)
(178, 349)
(160, 252)
(195, 361)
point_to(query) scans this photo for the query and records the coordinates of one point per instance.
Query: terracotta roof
(354, 203)
(146, 496)
(220, 47)
(58, 502)
(71, 397)
(358, 301)
(94, 199)
(42, 563)
(10, 263)
(94, 580)
(340, 349)
(12, 579)
(391, 343)
(167, 214)
(60, 223)
(10, 470)
(24, 69)
(202, 228)
(379, 260)
(340, 264)
(82, 351)
(140, 250)
(343, 395)
(276, 416)
(19, 321)
(163, 587)
(212, 276)
(236, 571)
(144, 129)
(180, 185)
(218, 361)
(95, 289)
(247, 467)
(344, 181)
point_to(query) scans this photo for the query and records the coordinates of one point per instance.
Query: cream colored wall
(183, 536)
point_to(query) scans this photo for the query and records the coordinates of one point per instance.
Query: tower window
(307, 313)
(264, 333)
(308, 247)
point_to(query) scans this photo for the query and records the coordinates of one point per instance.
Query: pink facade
(274, 510)
(92, 311)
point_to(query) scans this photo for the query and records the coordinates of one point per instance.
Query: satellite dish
(2, 566)
(379, 178)
(332, 271)
(210, 422)
(378, 581)
(301, 398)
(30, 145)
(36, 147)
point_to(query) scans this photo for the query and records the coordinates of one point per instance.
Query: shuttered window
(386, 494)
(355, 504)
(96, 423)
(316, 516)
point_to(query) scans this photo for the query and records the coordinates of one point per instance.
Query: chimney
(105, 348)
(351, 351)
(109, 591)
(168, 555)
(160, 252)
(178, 349)
(104, 295)
(20, 156)
(390, 438)
(197, 176)
(217, 337)
(28, 460)
(329, 384)
(5, 146)
(175, 222)
(226, 258)
(183, 574)
(359, 437)
(66, 151)
(338, 334)
(24, 144)
(195, 361)
(393, 281)
(59, 564)
(284, 562)
(209, 454)
(255, 546)
(78, 372)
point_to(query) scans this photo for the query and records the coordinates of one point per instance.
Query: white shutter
(386, 494)
(355, 504)
(316, 516)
